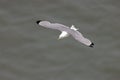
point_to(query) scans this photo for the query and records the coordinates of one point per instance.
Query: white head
(63, 35)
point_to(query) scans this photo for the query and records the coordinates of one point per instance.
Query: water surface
(31, 52)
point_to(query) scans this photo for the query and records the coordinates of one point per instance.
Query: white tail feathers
(74, 28)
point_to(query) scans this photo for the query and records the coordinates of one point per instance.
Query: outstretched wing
(59, 27)
(79, 37)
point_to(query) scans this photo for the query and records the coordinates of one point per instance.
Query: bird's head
(63, 35)
(60, 37)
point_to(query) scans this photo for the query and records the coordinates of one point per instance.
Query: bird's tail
(74, 28)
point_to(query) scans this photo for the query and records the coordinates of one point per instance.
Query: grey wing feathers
(59, 27)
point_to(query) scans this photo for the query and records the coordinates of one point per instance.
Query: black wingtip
(38, 21)
(91, 45)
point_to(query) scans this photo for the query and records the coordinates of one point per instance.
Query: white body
(66, 31)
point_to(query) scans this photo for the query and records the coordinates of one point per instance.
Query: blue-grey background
(31, 52)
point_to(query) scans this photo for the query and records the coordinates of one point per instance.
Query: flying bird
(66, 31)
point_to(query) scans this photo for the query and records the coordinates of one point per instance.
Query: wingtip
(91, 45)
(38, 21)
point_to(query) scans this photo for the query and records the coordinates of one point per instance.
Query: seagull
(66, 31)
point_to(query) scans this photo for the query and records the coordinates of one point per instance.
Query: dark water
(30, 52)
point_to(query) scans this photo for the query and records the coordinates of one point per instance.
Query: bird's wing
(76, 34)
(59, 27)
(79, 37)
